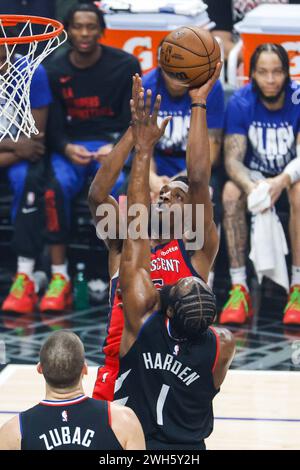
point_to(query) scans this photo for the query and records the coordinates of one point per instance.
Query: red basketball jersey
(169, 263)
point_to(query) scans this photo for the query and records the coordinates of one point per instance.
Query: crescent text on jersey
(165, 265)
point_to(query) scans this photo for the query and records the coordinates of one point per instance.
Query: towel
(268, 242)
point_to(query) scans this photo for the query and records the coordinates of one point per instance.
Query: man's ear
(85, 369)
(39, 368)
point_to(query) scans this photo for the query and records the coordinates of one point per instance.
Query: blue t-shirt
(272, 135)
(170, 151)
(40, 93)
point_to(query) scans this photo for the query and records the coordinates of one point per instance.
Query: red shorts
(105, 382)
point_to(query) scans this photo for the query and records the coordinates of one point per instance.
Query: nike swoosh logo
(120, 380)
(29, 211)
(65, 79)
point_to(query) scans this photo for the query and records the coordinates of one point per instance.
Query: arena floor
(254, 410)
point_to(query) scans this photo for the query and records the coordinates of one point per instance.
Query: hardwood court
(254, 410)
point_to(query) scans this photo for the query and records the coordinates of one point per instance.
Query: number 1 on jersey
(160, 403)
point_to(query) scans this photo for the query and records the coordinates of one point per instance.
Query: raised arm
(138, 293)
(109, 172)
(199, 165)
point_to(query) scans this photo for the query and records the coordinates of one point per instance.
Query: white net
(16, 73)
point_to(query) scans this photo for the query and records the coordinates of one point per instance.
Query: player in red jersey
(170, 260)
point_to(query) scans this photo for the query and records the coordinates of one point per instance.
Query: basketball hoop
(16, 71)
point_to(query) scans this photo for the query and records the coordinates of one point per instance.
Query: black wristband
(198, 105)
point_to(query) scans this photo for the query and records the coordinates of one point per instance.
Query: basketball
(190, 54)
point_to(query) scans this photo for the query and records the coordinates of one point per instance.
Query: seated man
(91, 86)
(262, 141)
(67, 419)
(171, 363)
(23, 164)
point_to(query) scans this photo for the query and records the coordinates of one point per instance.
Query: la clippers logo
(64, 416)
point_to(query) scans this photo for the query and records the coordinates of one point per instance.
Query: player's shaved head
(62, 359)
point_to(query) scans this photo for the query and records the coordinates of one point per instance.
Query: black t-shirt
(82, 423)
(169, 385)
(90, 103)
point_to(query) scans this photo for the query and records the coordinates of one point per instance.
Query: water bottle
(81, 290)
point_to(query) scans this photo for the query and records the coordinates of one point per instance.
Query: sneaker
(22, 297)
(292, 309)
(238, 308)
(58, 296)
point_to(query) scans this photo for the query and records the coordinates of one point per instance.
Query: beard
(269, 99)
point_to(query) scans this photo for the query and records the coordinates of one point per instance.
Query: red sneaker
(22, 297)
(58, 296)
(292, 309)
(238, 308)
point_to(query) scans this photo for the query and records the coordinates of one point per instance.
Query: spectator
(262, 133)
(228, 12)
(67, 419)
(64, 6)
(23, 163)
(91, 85)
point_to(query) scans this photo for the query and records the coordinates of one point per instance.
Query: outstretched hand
(201, 93)
(145, 129)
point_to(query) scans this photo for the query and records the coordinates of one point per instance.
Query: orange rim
(13, 20)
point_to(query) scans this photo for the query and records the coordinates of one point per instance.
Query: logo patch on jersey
(30, 199)
(64, 416)
(176, 350)
(104, 377)
(65, 79)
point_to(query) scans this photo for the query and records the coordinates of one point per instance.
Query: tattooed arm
(235, 151)
(215, 142)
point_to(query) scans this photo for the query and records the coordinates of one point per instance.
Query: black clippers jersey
(169, 385)
(81, 423)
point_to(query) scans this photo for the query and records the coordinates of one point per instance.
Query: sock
(295, 275)
(26, 265)
(60, 269)
(211, 278)
(239, 276)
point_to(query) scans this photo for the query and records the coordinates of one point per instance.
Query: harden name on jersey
(65, 436)
(167, 362)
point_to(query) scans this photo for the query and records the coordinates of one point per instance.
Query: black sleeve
(221, 14)
(57, 138)
(125, 112)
